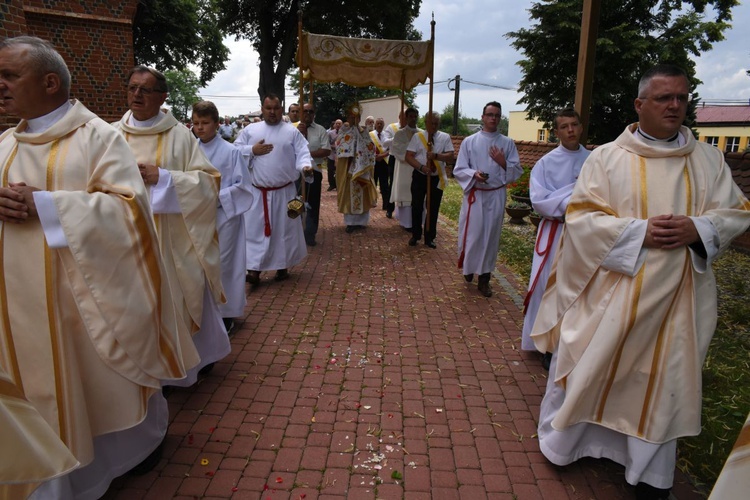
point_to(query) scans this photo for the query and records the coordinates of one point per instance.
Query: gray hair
(161, 80)
(43, 56)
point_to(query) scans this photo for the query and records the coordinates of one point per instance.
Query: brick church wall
(95, 37)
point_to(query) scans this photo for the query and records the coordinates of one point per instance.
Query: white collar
(41, 123)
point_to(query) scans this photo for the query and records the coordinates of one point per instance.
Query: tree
(271, 26)
(633, 36)
(332, 99)
(183, 92)
(170, 34)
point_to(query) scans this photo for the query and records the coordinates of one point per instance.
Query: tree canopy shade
(183, 92)
(170, 34)
(633, 36)
(271, 26)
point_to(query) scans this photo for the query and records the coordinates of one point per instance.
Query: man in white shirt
(426, 154)
(317, 142)
(401, 188)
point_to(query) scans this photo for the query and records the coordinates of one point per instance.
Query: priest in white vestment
(388, 133)
(278, 154)
(88, 330)
(184, 196)
(550, 186)
(401, 187)
(355, 168)
(631, 307)
(487, 161)
(235, 198)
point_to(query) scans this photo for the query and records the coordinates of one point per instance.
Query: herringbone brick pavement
(374, 372)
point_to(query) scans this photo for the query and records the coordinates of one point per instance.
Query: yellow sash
(376, 141)
(440, 169)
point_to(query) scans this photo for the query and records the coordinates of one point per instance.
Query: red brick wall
(95, 37)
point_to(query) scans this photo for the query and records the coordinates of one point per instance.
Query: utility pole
(455, 104)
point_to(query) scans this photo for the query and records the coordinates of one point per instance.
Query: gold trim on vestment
(49, 273)
(16, 370)
(588, 207)
(644, 188)
(618, 354)
(688, 190)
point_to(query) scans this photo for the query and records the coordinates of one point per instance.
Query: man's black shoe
(148, 463)
(281, 275)
(349, 229)
(430, 244)
(389, 214)
(469, 277)
(413, 242)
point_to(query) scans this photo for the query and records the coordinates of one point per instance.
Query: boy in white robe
(550, 187)
(235, 198)
(402, 172)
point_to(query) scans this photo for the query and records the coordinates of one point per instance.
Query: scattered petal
(279, 480)
(211, 429)
(210, 474)
(204, 461)
(234, 488)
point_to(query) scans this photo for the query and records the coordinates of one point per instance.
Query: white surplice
(235, 198)
(276, 171)
(550, 186)
(401, 188)
(483, 205)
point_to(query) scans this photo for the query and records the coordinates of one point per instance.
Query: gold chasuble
(86, 331)
(355, 164)
(188, 240)
(631, 348)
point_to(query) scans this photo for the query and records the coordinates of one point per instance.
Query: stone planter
(517, 214)
(521, 199)
(535, 219)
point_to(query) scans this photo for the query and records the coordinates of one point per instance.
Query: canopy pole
(431, 163)
(303, 187)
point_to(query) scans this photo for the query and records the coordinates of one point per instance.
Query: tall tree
(633, 36)
(183, 92)
(170, 34)
(271, 26)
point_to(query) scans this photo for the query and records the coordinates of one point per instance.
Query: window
(542, 135)
(733, 145)
(714, 141)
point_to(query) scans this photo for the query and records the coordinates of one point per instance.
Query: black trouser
(381, 176)
(331, 173)
(312, 215)
(418, 195)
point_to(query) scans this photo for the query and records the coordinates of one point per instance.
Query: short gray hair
(161, 80)
(44, 57)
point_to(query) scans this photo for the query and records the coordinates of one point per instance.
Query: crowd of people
(126, 249)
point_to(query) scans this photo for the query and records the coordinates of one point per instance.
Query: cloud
(470, 41)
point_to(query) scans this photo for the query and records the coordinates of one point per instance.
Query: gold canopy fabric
(387, 64)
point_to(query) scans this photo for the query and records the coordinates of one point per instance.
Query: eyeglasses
(669, 98)
(134, 89)
(496, 116)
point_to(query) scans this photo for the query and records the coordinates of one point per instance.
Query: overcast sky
(470, 42)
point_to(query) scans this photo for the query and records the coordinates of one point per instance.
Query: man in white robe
(487, 161)
(631, 307)
(550, 186)
(355, 165)
(184, 194)
(278, 153)
(87, 316)
(401, 187)
(388, 133)
(235, 198)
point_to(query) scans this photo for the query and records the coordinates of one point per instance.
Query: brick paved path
(375, 371)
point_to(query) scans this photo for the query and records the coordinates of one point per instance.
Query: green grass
(726, 373)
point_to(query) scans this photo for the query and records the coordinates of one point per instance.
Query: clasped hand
(668, 232)
(17, 203)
